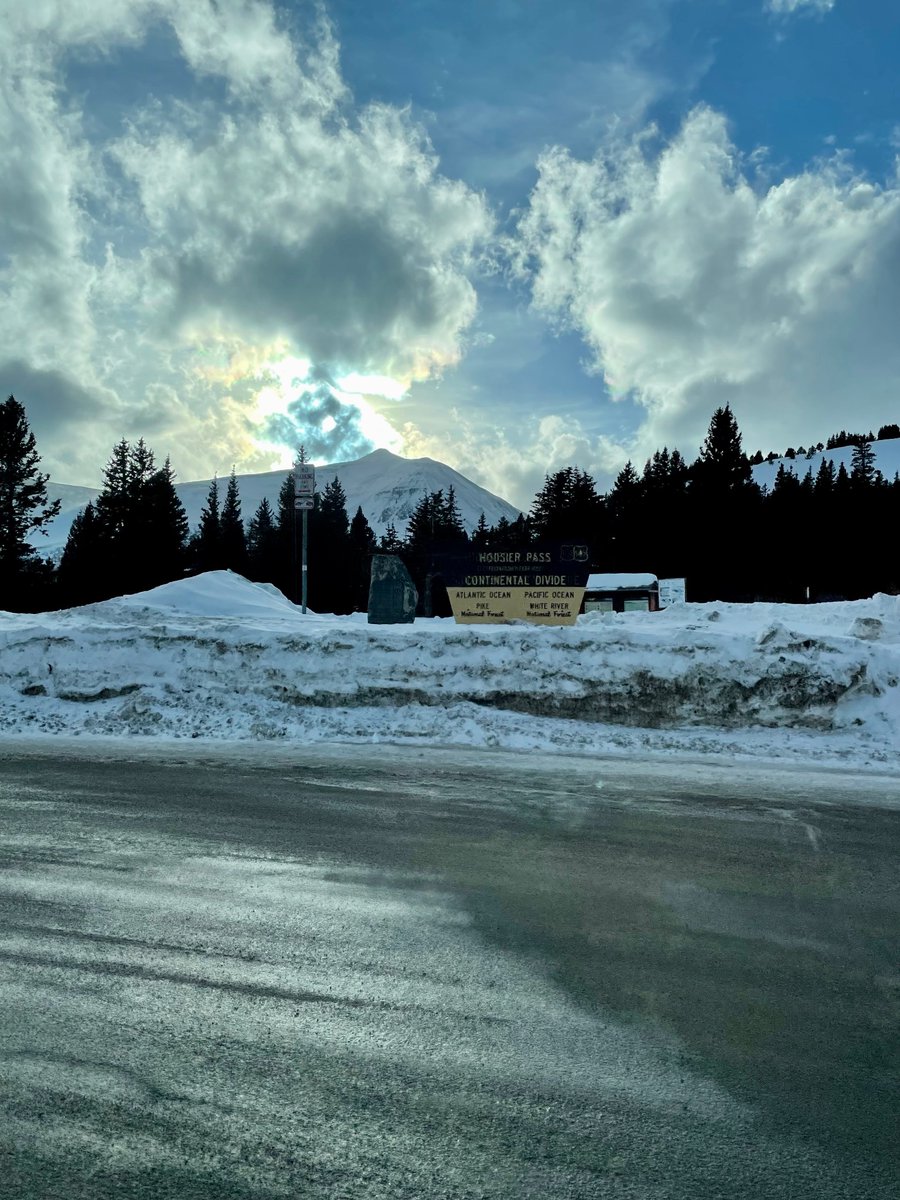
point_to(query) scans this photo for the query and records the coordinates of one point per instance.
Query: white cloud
(693, 287)
(792, 6)
(279, 219)
(513, 462)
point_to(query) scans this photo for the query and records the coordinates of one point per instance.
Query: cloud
(513, 463)
(257, 207)
(696, 283)
(318, 420)
(791, 6)
(339, 237)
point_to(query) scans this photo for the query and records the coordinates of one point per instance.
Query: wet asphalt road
(370, 973)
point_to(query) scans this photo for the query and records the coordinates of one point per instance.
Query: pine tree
(208, 542)
(519, 533)
(233, 538)
(724, 508)
(568, 509)
(361, 535)
(115, 501)
(82, 566)
(824, 482)
(501, 533)
(626, 506)
(24, 509)
(550, 504)
(286, 494)
(424, 521)
(330, 558)
(862, 464)
(390, 542)
(133, 537)
(722, 464)
(116, 552)
(262, 526)
(165, 526)
(333, 509)
(481, 533)
(285, 574)
(452, 528)
(262, 545)
(362, 547)
(141, 467)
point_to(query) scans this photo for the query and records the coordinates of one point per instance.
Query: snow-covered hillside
(385, 486)
(887, 461)
(216, 656)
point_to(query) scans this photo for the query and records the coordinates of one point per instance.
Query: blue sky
(511, 235)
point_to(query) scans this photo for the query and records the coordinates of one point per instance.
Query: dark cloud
(51, 399)
(341, 292)
(61, 413)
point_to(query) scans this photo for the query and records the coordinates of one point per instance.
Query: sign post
(304, 493)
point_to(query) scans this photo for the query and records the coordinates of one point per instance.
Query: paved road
(368, 973)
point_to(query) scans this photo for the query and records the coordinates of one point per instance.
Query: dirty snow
(219, 657)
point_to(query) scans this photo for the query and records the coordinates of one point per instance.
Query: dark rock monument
(392, 593)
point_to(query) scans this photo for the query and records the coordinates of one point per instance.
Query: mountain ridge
(386, 486)
(886, 455)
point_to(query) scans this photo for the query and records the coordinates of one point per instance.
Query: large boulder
(392, 593)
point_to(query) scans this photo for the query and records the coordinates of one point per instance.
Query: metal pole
(304, 571)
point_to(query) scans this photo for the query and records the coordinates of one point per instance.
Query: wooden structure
(623, 592)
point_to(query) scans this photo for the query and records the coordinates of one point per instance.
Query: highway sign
(305, 479)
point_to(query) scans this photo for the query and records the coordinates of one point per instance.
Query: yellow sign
(491, 605)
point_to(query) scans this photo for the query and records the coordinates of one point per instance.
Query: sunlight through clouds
(280, 231)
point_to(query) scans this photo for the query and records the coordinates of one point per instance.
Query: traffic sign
(303, 502)
(305, 479)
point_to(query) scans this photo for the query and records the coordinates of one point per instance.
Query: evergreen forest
(823, 537)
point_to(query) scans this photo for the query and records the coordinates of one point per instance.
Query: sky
(512, 235)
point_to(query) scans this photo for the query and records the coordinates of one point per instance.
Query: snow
(385, 486)
(218, 657)
(619, 582)
(215, 594)
(886, 456)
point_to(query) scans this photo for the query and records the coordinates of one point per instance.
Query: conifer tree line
(820, 537)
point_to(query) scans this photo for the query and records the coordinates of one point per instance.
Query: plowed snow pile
(217, 656)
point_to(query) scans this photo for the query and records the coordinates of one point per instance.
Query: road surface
(366, 972)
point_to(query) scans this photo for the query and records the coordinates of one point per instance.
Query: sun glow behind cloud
(297, 405)
(372, 385)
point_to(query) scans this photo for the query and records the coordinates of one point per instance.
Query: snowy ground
(218, 657)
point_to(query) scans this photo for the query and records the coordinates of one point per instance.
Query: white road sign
(303, 502)
(305, 479)
(671, 591)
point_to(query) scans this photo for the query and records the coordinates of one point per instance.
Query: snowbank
(217, 656)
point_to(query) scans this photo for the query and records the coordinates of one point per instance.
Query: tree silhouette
(208, 542)
(362, 547)
(262, 544)
(24, 508)
(132, 538)
(862, 463)
(233, 538)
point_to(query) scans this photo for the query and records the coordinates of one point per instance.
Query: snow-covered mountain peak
(385, 486)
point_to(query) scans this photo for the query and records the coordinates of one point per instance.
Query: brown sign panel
(492, 605)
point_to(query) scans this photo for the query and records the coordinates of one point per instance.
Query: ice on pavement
(216, 656)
